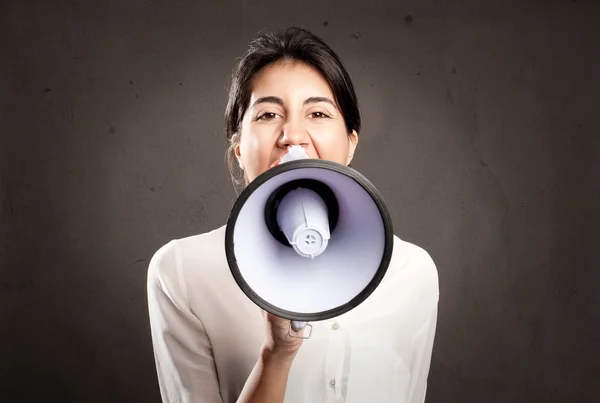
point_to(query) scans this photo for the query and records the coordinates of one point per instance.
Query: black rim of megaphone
(319, 164)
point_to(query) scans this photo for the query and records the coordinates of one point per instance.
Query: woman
(211, 343)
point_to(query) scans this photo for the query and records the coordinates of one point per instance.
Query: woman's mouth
(293, 152)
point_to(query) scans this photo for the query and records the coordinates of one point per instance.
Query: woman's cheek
(335, 151)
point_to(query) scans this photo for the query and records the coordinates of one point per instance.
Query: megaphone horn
(308, 240)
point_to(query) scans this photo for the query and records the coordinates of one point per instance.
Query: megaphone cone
(309, 240)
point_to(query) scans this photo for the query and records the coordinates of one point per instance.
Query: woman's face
(291, 104)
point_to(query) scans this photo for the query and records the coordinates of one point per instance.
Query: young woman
(211, 343)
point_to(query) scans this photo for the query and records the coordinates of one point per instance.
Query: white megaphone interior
(295, 283)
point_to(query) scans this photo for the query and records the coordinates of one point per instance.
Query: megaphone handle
(298, 325)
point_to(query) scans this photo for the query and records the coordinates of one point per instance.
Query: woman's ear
(238, 155)
(352, 144)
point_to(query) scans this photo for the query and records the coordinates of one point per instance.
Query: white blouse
(207, 334)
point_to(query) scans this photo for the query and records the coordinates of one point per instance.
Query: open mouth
(292, 153)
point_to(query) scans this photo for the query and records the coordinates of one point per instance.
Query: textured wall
(480, 129)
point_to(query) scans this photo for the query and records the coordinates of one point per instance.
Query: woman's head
(289, 89)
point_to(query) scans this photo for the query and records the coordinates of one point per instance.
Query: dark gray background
(480, 129)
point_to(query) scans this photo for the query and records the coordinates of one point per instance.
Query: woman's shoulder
(413, 261)
(200, 252)
(408, 252)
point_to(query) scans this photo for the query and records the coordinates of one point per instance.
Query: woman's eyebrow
(276, 100)
(314, 100)
(269, 99)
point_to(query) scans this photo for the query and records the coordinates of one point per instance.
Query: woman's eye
(318, 115)
(267, 116)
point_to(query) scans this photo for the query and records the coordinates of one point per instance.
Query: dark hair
(294, 44)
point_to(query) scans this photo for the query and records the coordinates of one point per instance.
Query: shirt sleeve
(183, 355)
(423, 348)
(423, 339)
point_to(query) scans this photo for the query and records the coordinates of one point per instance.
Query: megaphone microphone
(308, 239)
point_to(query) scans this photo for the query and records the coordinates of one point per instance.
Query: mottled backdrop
(481, 130)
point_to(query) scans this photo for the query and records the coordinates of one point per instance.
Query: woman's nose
(292, 135)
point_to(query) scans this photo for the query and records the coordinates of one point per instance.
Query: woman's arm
(423, 340)
(183, 355)
(423, 349)
(268, 380)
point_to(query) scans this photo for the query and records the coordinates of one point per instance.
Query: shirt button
(335, 326)
(332, 383)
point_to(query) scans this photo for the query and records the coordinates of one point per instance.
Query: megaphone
(308, 240)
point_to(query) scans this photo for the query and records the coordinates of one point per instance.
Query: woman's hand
(278, 343)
